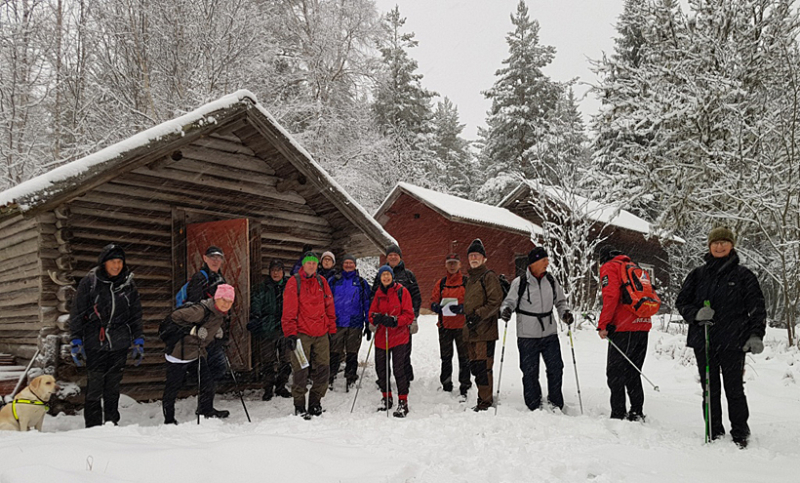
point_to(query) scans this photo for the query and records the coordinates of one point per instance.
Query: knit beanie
(309, 256)
(225, 291)
(328, 254)
(536, 254)
(111, 251)
(476, 247)
(275, 263)
(349, 257)
(394, 249)
(721, 233)
(385, 268)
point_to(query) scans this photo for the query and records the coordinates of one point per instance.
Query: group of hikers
(306, 324)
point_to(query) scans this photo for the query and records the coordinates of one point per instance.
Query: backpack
(298, 279)
(171, 333)
(183, 293)
(504, 283)
(636, 292)
(523, 285)
(443, 284)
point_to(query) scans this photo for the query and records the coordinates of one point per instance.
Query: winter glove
(754, 345)
(220, 334)
(202, 333)
(414, 327)
(506, 314)
(291, 342)
(704, 314)
(611, 328)
(457, 309)
(78, 354)
(390, 321)
(436, 308)
(472, 320)
(137, 353)
(568, 318)
(367, 333)
(379, 319)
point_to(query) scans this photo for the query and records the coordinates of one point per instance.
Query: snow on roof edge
(39, 184)
(513, 221)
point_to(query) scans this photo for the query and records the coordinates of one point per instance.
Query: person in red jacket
(392, 312)
(308, 317)
(629, 332)
(447, 300)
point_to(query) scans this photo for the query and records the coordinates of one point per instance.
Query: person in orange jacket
(392, 313)
(308, 317)
(451, 324)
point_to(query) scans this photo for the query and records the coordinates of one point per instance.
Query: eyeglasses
(722, 242)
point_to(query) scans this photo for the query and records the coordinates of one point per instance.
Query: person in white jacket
(533, 298)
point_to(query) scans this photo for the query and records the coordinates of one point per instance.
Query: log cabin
(225, 174)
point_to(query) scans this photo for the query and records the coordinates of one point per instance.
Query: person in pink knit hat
(195, 328)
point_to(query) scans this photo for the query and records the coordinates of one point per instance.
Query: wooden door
(232, 237)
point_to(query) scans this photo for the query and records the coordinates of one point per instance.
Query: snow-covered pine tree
(402, 107)
(522, 99)
(454, 161)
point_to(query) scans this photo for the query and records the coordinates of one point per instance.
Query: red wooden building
(428, 225)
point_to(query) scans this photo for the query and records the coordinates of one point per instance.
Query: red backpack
(636, 292)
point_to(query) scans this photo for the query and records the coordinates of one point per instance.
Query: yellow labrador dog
(28, 408)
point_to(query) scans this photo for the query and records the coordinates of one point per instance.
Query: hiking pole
(575, 365)
(707, 388)
(366, 362)
(590, 318)
(236, 387)
(500, 374)
(388, 382)
(199, 358)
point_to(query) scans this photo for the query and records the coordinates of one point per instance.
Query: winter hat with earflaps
(476, 247)
(721, 233)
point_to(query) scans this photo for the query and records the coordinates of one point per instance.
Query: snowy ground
(441, 440)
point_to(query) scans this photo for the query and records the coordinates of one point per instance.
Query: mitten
(137, 353)
(472, 320)
(754, 345)
(436, 308)
(291, 342)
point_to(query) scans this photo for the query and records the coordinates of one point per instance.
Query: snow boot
(267, 396)
(301, 411)
(281, 391)
(402, 409)
(635, 416)
(386, 403)
(315, 410)
(217, 414)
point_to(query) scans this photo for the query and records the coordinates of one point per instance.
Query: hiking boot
(281, 391)
(315, 410)
(217, 414)
(741, 441)
(402, 409)
(171, 421)
(635, 416)
(447, 387)
(299, 411)
(267, 396)
(386, 404)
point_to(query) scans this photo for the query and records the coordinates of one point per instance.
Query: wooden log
(82, 224)
(64, 236)
(21, 226)
(19, 256)
(65, 262)
(12, 221)
(62, 212)
(227, 146)
(20, 283)
(192, 166)
(301, 240)
(92, 210)
(85, 234)
(222, 158)
(19, 237)
(20, 312)
(110, 195)
(20, 297)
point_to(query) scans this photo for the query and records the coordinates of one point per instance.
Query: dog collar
(26, 401)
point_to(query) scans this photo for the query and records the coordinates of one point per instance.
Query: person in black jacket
(106, 318)
(203, 285)
(728, 294)
(406, 278)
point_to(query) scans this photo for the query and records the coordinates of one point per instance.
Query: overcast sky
(462, 44)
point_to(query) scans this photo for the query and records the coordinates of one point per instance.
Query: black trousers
(274, 364)
(447, 339)
(622, 376)
(731, 364)
(103, 377)
(176, 376)
(398, 356)
(550, 351)
(345, 342)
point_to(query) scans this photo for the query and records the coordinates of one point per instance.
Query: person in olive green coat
(482, 299)
(266, 308)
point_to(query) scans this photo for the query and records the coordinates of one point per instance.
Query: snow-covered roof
(66, 179)
(599, 212)
(460, 209)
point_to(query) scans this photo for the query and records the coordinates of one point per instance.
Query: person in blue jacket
(351, 296)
